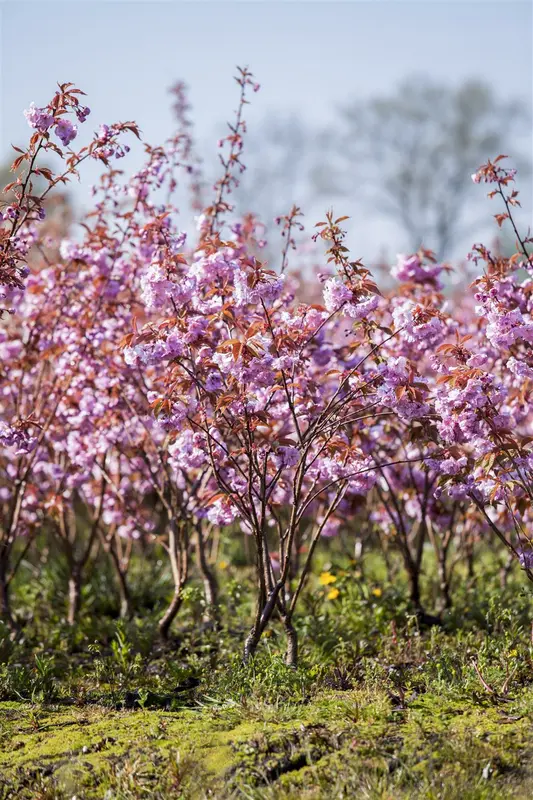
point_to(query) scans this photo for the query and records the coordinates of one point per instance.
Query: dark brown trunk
(414, 586)
(423, 617)
(263, 616)
(168, 617)
(126, 611)
(505, 570)
(294, 563)
(5, 601)
(209, 580)
(470, 563)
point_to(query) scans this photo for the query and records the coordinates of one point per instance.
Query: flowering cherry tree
(277, 408)
(482, 394)
(161, 388)
(49, 367)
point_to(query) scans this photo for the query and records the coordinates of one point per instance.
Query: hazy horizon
(309, 57)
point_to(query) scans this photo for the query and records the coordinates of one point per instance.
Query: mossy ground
(342, 744)
(378, 707)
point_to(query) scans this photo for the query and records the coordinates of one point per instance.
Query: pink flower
(411, 269)
(66, 131)
(222, 512)
(38, 118)
(336, 293)
(82, 113)
(286, 457)
(362, 309)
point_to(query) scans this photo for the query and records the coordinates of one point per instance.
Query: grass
(377, 708)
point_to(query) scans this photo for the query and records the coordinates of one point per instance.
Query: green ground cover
(378, 708)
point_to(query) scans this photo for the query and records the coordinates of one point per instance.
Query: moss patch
(349, 740)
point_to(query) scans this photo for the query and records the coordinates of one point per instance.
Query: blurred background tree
(410, 154)
(407, 156)
(277, 156)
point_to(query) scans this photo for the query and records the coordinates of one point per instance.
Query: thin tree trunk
(444, 582)
(5, 600)
(126, 611)
(423, 617)
(178, 550)
(250, 645)
(168, 617)
(252, 640)
(215, 542)
(389, 566)
(263, 616)
(471, 574)
(210, 582)
(441, 548)
(291, 655)
(294, 564)
(358, 550)
(505, 570)
(413, 576)
(74, 596)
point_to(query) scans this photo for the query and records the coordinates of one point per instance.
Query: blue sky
(308, 56)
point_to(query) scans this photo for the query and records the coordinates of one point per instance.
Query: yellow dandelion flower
(223, 565)
(326, 578)
(333, 594)
(513, 653)
(377, 592)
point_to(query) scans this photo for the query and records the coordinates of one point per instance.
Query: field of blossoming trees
(251, 545)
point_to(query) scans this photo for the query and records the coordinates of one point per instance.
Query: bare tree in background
(411, 155)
